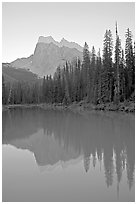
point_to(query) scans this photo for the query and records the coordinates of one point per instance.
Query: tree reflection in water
(103, 137)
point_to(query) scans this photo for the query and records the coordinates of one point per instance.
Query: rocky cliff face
(48, 55)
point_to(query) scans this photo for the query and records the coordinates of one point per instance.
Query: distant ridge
(12, 74)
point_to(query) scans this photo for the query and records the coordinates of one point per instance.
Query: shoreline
(128, 107)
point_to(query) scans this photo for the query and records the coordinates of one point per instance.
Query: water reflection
(55, 136)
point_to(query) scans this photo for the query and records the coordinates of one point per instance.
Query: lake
(65, 156)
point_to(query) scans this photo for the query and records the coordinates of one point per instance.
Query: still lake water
(65, 156)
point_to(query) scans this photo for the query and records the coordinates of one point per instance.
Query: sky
(23, 23)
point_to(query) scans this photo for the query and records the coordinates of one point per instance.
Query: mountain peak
(47, 39)
(63, 42)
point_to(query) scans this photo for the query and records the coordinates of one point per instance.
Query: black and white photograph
(68, 101)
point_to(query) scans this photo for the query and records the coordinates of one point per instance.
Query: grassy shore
(127, 106)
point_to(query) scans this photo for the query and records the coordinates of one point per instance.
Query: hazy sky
(23, 23)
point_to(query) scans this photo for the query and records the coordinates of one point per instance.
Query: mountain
(66, 43)
(48, 55)
(22, 62)
(62, 43)
(11, 74)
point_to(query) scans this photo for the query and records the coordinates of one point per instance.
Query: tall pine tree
(107, 74)
(117, 67)
(85, 68)
(130, 67)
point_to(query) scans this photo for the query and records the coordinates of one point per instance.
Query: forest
(96, 79)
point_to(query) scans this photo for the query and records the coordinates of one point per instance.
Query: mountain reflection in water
(63, 136)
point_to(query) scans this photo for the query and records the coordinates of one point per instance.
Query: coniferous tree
(44, 89)
(85, 69)
(122, 77)
(107, 75)
(59, 90)
(130, 70)
(91, 76)
(66, 99)
(97, 79)
(117, 67)
(78, 80)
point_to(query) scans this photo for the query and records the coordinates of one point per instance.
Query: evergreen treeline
(96, 79)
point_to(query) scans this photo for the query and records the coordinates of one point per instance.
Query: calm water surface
(64, 156)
